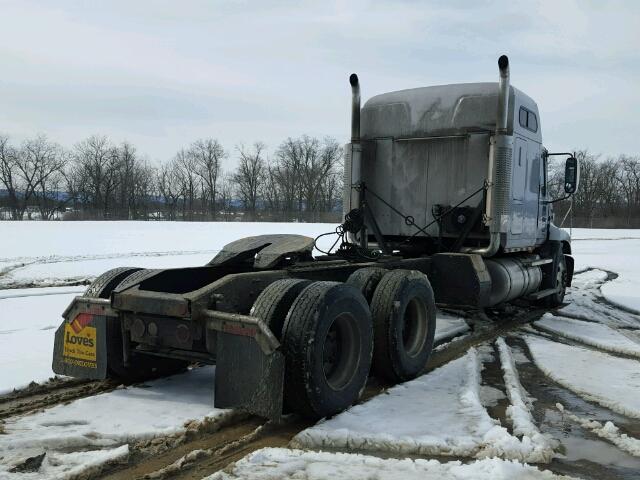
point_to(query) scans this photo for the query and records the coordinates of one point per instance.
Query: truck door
(518, 185)
(543, 208)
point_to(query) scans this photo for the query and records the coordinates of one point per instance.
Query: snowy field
(476, 425)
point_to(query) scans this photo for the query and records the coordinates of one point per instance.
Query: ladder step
(542, 294)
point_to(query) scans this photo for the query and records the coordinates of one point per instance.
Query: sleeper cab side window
(528, 119)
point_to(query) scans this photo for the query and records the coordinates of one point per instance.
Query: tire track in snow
(519, 412)
(582, 452)
(20, 263)
(609, 431)
(618, 347)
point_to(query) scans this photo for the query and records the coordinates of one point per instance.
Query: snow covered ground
(590, 333)
(103, 426)
(610, 381)
(445, 412)
(280, 463)
(614, 250)
(454, 424)
(28, 322)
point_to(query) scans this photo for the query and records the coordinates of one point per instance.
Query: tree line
(300, 181)
(100, 179)
(608, 195)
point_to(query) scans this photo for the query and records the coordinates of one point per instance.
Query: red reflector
(81, 321)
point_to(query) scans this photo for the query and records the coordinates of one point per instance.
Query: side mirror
(571, 175)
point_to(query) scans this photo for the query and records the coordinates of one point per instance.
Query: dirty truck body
(446, 202)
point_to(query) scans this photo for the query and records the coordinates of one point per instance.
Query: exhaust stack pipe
(353, 168)
(503, 96)
(355, 108)
(499, 171)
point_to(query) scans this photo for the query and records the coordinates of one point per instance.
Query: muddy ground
(205, 449)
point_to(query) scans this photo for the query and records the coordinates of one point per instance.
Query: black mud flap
(80, 347)
(568, 261)
(460, 279)
(247, 378)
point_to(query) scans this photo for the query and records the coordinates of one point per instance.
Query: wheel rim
(561, 279)
(341, 351)
(414, 327)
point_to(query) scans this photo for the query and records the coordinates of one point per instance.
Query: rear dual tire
(327, 340)
(404, 321)
(327, 332)
(328, 343)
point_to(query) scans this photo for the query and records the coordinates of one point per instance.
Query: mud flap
(247, 378)
(460, 279)
(80, 346)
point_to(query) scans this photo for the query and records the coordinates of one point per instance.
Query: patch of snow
(24, 239)
(585, 301)
(604, 233)
(85, 270)
(609, 381)
(620, 257)
(439, 413)
(27, 329)
(159, 408)
(38, 292)
(60, 466)
(609, 431)
(589, 333)
(519, 412)
(280, 463)
(448, 326)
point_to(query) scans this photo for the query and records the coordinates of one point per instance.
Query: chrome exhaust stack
(499, 171)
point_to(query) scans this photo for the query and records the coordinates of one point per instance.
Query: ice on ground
(281, 463)
(448, 326)
(109, 420)
(27, 329)
(589, 333)
(519, 412)
(439, 413)
(609, 431)
(607, 380)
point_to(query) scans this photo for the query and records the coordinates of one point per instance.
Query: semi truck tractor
(446, 203)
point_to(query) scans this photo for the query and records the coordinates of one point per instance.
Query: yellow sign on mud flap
(80, 346)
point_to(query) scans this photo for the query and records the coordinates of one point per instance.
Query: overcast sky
(161, 74)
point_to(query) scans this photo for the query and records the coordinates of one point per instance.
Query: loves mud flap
(80, 348)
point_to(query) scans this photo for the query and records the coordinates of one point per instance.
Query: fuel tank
(512, 278)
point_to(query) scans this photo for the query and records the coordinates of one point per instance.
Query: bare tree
(170, 187)
(207, 155)
(9, 176)
(186, 170)
(249, 175)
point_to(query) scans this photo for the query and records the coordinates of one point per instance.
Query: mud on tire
(366, 280)
(560, 282)
(404, 321)
(327, 342)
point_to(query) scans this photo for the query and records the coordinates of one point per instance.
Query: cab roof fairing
(440, 110)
